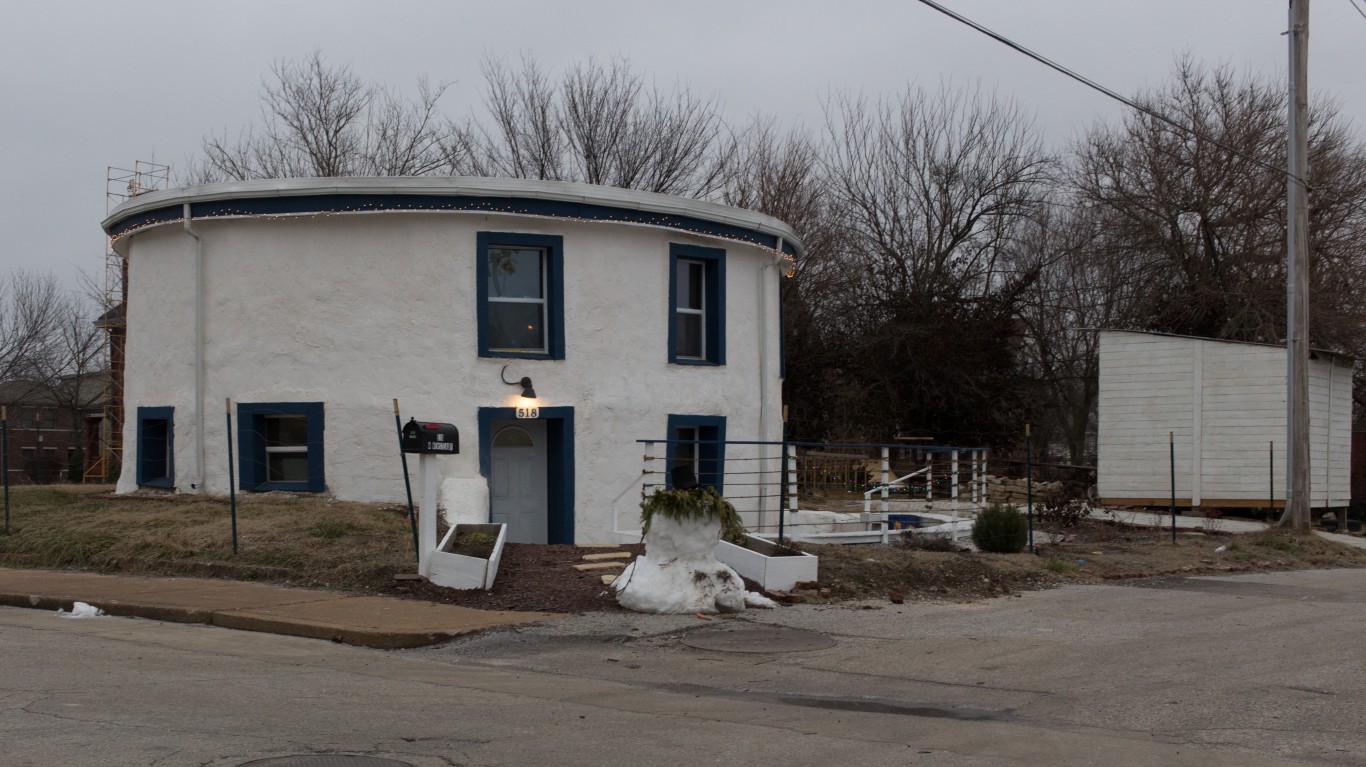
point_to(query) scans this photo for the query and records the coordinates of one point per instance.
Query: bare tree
(522, 138)
(934, 186)
(32, 312)
(599, 124)
(1197, 222)
(1080, 288)
(1198, 219)
(933, 189)
(319, 119)
(780, 172)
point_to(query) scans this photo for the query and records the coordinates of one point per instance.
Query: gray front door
(518, 480)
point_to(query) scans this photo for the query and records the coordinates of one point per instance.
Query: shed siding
(1225, 405)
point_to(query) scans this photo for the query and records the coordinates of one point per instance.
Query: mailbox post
(429, 440)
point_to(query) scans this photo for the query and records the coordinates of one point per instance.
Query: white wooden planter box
(457, 571)
(757, 562)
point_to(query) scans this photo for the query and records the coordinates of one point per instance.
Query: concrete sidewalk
(380, 622)
(1223, 524)
(1183, 522)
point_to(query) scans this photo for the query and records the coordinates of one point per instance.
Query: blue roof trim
(371, 203)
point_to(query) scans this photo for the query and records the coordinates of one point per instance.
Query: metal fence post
(791, 480)
(1171, 449)
(1029, 484)
(232, 482)
(975, 453)
(407, 483)
(886, 477)
(953, 489)
(4, 457)
(782, 510)
(984, 477)
(929, 476)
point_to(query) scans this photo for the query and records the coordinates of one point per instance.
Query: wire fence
(791, 487)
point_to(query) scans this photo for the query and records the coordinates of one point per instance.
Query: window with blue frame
(280, 446)
(156, 447)
(521, 295)
(698, 441)
(697, 305)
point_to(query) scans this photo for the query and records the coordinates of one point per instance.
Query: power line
(1092, 84)
(1354, 5)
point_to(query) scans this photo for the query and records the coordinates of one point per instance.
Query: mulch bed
(532, 578)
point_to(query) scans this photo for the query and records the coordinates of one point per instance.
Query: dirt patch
(477, 545)
(532, 577)
(1092, 551)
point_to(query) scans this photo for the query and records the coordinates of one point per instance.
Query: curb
(116, 607)
(244, 620)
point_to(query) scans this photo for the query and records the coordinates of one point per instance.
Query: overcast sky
(87, 85)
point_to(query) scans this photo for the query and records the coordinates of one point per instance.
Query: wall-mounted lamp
(525, 383)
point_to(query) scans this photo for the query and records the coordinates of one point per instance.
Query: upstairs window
(521, 295)
(697, 305)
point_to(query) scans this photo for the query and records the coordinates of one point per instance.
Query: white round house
(311, 304)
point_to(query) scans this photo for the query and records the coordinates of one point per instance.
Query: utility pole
(1297, 274)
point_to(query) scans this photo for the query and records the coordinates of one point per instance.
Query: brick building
(53, 429)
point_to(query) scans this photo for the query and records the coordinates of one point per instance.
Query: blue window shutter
(316, 480)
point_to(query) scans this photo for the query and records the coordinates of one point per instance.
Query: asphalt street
(1247, 670)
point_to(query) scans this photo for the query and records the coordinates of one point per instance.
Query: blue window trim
(715, 286)
(711, 448)
(251, 445)
(559, 464)
(554, 288)
(166, 414)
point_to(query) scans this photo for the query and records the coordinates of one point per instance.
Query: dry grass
(312, 541)
(304, 540)
(1094, 551)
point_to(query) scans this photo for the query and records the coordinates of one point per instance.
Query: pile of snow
(679, 574)
(755, 599)
(81, 610)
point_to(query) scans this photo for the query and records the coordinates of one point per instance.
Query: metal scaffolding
(120, 185)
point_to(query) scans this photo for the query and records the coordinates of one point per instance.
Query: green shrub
(1000, 529)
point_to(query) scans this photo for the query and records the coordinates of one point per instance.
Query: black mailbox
(429, 437)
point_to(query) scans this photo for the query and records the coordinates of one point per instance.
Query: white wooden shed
(1225, 403)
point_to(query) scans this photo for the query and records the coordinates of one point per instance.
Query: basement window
(280, 446)
(698, 442)
(156, 447)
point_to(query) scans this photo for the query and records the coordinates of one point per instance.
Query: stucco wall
(355, 310)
